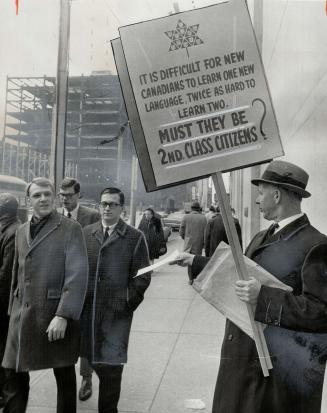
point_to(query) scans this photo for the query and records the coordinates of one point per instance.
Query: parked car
(174, 220)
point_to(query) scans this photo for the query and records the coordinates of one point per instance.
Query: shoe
(85, 392)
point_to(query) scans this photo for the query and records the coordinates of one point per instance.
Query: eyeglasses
(111, 205)
(63, 195)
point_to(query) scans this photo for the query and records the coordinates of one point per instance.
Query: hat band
(273, 176)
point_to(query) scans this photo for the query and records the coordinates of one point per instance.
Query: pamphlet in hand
(216, 284)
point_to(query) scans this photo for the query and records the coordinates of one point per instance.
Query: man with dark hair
(48, 288)
(296, 322)
(8, 226)
(69, 194)
(116, 252)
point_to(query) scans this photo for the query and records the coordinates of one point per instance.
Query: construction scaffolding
(98, 150)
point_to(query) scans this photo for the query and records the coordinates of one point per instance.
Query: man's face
(267, 201)
(41, 199)
(148, 215)
(110, 208)
(69, 198)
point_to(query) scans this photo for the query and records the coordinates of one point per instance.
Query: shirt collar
(73, 213)
(288, 220)
(111, 227)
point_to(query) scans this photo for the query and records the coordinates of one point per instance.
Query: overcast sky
(29, 41)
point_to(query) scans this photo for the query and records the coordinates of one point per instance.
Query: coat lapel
(284, 234)
(52, 224)
(119, 231)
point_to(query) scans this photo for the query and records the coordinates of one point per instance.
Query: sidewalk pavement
(173, 352)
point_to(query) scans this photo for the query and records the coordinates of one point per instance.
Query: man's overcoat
(192, 230)
(113, 292)
(49, 278)
(295, 333)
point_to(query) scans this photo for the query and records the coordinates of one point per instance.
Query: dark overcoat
(49, 279)
(295, 333)
(113, 292)
(154, 235)
(8, 227)
(215, 233)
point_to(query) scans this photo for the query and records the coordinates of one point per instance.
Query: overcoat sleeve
(76, 275)
(207, 236)
(6, 267)
(138, 285)
(199, 262)
(182, 228)
(14, 277)
(305, 312)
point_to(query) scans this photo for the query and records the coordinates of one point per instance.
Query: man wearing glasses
(69, 194)
(116, 252)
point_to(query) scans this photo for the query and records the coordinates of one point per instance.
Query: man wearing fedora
(296, 322)
(192, 230)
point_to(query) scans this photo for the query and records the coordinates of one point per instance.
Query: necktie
(271, 230)
(106, 234)
(69, 215)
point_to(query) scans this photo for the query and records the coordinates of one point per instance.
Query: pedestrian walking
(116, 252)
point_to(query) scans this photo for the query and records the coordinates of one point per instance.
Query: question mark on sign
(263, 115)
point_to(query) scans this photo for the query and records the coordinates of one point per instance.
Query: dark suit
(215, 233)
(85, 216)
(296, 332)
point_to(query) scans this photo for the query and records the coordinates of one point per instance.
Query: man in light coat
(69, 194)
(116, 252)
(192, 231)
(47, 296)
(296, 322)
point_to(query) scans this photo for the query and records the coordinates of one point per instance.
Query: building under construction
(98, 148)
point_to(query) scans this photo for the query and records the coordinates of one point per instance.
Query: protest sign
(198, 99)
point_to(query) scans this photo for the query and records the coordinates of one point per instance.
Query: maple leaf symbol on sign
(183, 36)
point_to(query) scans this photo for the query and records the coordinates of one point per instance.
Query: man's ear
(277, 195)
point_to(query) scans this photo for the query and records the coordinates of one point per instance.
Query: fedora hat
(287, 175)
(195, 205)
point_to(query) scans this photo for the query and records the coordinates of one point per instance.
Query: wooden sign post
(234, 243)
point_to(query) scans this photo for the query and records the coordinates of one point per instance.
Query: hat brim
(290, 187)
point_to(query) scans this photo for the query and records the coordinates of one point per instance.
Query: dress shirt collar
(73, 213)
(111, 228)
(287, 221)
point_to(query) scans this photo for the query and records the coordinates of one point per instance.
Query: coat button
(230, 337)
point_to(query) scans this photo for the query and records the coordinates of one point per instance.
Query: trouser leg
(85, 368)
(109, 387)
(16, 390)
(66, 389)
